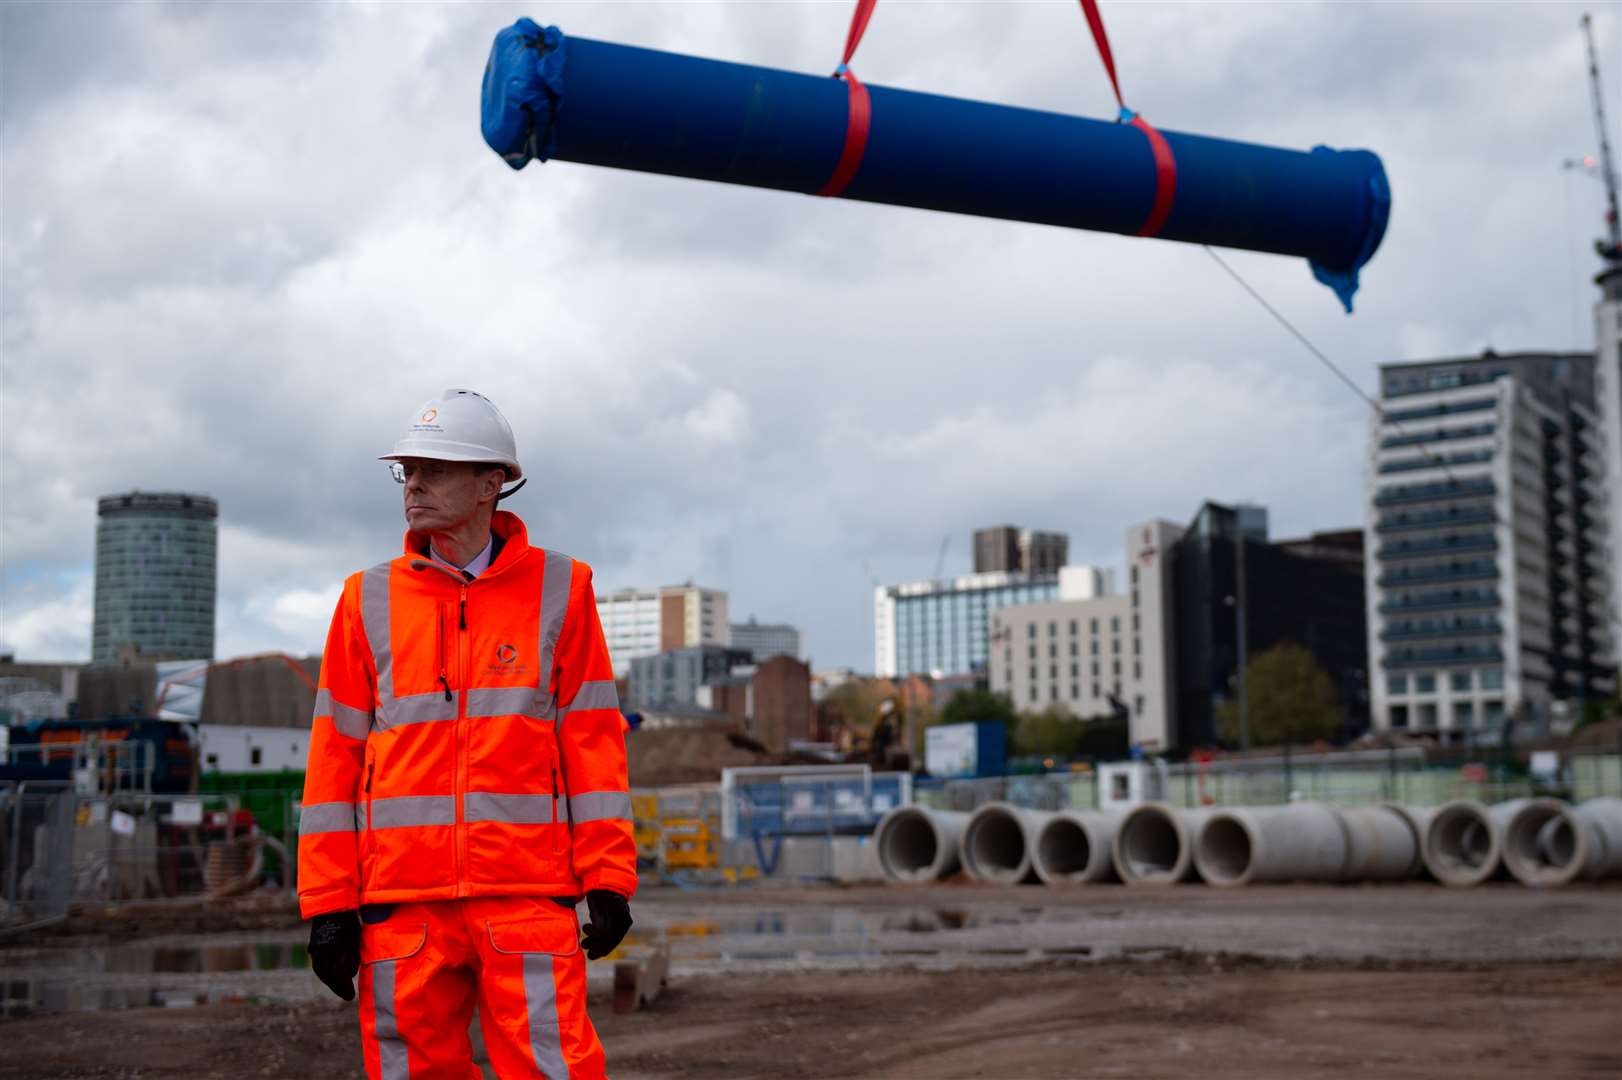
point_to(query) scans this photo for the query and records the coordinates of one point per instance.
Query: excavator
(879, 743)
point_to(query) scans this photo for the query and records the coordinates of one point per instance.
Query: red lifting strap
(1165, 178)
(1165, 164)
(860, 109)
(1095, 23)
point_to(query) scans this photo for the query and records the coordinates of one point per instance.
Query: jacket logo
(506, 654)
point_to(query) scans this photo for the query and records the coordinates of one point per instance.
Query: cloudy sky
(242, 243)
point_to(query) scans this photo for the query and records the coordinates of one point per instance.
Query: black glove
(335, 951)
(610, 920)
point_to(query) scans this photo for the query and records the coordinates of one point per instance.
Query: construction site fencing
(1341, 779)
(62, 847)
(810, 824)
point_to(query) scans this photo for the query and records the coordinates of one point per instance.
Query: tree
(974, 706)
(1292, 699)
(1053, 732)
(853, 704)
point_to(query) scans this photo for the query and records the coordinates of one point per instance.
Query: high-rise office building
(766, 640)
(942, 627)
(1021, 551)
(1608, 402)
(1492, 571)
(156, 572)
(643, 622)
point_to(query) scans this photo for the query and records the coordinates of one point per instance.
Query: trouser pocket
(383, 948)
(533, 988)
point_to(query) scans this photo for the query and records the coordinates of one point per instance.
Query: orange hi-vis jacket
(467, 738)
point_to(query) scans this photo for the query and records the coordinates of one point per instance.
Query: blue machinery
(547, 96)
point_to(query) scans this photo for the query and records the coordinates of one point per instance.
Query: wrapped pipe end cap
(523, 87)
(1343, 281)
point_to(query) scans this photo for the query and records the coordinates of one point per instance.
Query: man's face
(442, 495)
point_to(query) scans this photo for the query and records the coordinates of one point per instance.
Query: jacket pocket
(550, 933)
(388, 941)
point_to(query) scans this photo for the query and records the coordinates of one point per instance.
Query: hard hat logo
(460, 425)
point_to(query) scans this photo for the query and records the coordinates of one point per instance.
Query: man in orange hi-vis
(467, 778)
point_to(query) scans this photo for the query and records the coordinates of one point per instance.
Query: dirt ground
(1185, 1016)
(1283, 983)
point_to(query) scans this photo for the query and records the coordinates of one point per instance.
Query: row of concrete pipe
(1465, 842)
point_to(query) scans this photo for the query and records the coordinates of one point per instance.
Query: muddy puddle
(187, 971)
(174, 974)
(837, 937)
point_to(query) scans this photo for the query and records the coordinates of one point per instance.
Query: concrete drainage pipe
(998, 843)
(1246, 845)
(1547, 842)
(915, 844)
(1419, 820)
(1155, 844)
(1604, 817)
(1381, 844)
(1464, 842)
(1075, 847)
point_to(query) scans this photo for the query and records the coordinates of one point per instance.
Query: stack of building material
(1539, 842)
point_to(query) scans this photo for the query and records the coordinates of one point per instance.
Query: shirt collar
(480, 563)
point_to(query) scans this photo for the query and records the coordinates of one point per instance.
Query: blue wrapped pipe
(573, 99)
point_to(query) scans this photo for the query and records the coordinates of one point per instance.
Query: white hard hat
(459, 425)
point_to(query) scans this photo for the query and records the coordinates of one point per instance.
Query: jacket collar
(511, 542)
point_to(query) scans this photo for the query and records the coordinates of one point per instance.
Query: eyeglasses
(427, 471)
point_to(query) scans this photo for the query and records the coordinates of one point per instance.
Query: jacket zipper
(370, 765)
(439, 637)
(459, 844)
(459, 770)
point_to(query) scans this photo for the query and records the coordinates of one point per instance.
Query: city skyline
(781, 397)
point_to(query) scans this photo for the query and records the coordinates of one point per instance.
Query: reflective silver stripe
(555, 582)
(413, 810)
(600, 806)
(326, 817)
(516, 809)
(541, 1001)
(350, 722)
(374, 615)
(594, 695)
(504, 701)
(415, 709)
(393, 1062)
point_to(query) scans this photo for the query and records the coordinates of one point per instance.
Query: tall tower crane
(1609, 246)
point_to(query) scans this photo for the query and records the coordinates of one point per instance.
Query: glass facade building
(943, 627)
(156, 569)
(1308, 591)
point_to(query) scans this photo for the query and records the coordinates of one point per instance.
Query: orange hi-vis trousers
(425, 965)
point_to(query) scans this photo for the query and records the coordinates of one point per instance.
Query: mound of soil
(686, 755)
